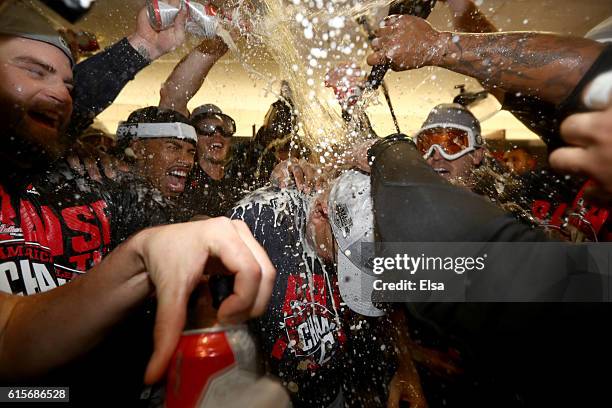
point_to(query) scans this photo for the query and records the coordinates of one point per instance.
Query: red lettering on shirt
(53, 229)
(31, 224)
(74, 218)
(99, 207)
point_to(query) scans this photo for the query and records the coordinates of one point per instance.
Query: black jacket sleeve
(99, 79)
(510, 352)
(432, 209)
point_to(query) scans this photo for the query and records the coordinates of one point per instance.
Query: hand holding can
(203, 19)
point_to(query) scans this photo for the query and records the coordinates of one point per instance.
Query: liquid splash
(307, 39)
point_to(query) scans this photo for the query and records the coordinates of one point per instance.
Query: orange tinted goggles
(452, 143)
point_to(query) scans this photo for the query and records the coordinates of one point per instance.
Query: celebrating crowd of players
(84, 244)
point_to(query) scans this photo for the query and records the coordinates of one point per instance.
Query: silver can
(161, 15)
(202, 20)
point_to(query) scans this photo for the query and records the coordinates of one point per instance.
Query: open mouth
(178, 173)
(442, 171)
(177, 177)
(216, 146)
(47, 119)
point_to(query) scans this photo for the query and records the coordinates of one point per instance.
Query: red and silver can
(202, 20)
(209, 365)
(161, 15)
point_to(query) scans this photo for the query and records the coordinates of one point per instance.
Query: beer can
(202, 20)
(209, 365)
(161, 15)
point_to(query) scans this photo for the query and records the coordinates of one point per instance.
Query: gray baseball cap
(352, 222)
(449, 114)
(19, 19)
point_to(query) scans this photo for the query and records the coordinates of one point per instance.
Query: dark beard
(21, 158)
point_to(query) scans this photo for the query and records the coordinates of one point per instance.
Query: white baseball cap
(352, 222)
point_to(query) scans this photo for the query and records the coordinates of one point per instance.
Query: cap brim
(199, 116)
(356, 287)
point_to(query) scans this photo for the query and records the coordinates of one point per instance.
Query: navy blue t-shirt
(301, 334)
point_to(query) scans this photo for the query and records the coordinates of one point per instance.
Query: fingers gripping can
(209, 365)
(161, 15)
(202, 20)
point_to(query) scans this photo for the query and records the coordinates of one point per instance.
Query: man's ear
(478, 156)
(138, 149)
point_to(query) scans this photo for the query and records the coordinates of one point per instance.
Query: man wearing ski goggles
(450, 141)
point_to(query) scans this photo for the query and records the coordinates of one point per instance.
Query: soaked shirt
(47, 237)
(248, 170)
(59, 226)
(205, 195)
(55, 229)
(301, 333)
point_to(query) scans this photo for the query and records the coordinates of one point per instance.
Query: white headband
(176, 130)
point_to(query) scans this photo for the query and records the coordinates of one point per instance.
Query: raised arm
(99, 79)
(547, 66)
(189, 74)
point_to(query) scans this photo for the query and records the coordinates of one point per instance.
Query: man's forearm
(544, 65)
(99, 79)
(185, 81)
(49, 329)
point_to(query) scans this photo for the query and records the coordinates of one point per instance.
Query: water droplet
(308, 33)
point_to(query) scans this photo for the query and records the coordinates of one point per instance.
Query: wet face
(35, 100)
(318, 229)
(460, 168)
(165, 162)
(214, 148)
(519, 161)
